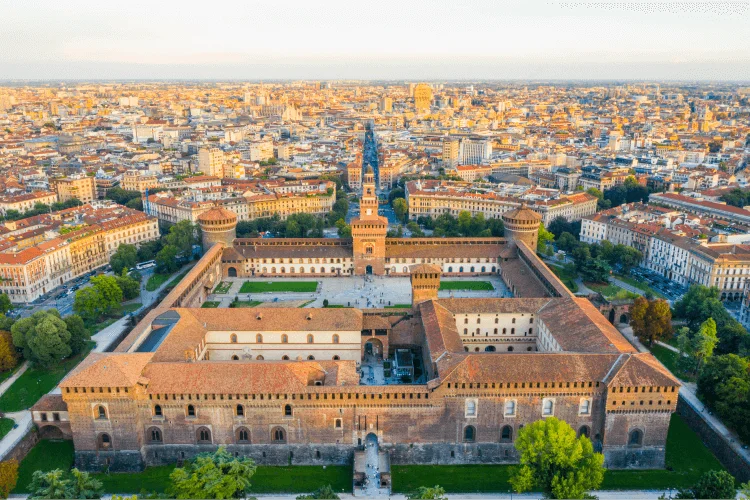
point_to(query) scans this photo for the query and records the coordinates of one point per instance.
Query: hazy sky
(380, 39)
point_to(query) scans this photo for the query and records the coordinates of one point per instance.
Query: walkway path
(9, 381)
(12, 438)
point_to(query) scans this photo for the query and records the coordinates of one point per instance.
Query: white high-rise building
(475, 151)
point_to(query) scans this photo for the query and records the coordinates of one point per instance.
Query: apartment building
(211, 161)
(475, 151)
(85, 241)
(80, 187)
(701, 207)
(25, 201)
(136, 180)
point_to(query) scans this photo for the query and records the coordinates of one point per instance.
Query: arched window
(336, 357)
(157, 411)
(510, 348)
(285, 357)
(635, 438)
(470, 434)
(584, 431)
(243, 435)
(154, 435)
(203, 435)
(287, 410)
(310, 339)
(311, 358)
(585, 407)
(335, 339)
(510, 407)
(471, 408)
(105, 442)
(548, 407)
(278, 435)
(285, 339)
(506, 434)
(191, 411)
(259, 357)
(101, 412)
(233, 338)
(259, 338)
(235, 357)
(240, 411)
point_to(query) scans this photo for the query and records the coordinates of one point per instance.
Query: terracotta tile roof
(50, 402)
(641, 369)
(490, 305)
(107, 370)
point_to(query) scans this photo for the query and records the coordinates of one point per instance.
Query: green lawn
(398, 306)
(278, 286)
(686, 455)
(110, 318)
(567, 275)
(246, 303)
(36, 382)
(210, 304)
(223, 287)
(638, 284)
(155, 281)
(611, 291)
(7, 373)
(466, 285)
(669, 359)
(6, 424)
(50, 455)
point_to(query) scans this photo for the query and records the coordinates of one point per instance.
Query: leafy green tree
(183, 236)
(213, 475)
(566, 242)
(43, 337)
(699, 304)
(5, 304)
(414, 229)
(545, 238)
(149, 249)
(627, 257)
(322, 493)
(712, 484)
(131, 287)
(345, 230)
(111, 293)
(555, 461)
(166, 259)
(400, 208)
(705, 341)
(595, 192)
(89, 303)
(651, 320)
(8, 352)
(125, 257)
(724, 385)
(79, 335)
(581, 254)
(59, 484)
(426, 493)
(595, 270)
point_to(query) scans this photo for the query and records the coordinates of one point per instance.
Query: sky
(382, 39)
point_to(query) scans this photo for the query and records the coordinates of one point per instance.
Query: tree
(724, 385)
(700, 303)
(110, 291)
(651, 320)
(59, 484)
(627, 257)
(555, 461)
(131, 288)
(8, 353)
(213, 475)
(79, 335)
(712, 484)
(545, 238)
(705, 341)
(43, 337)
(89, 303)
(8, 476)
(166, 259)
(183, 236)
(414, 229)
(425, 493)
(149, 249)
(581, 255)
(566, 242)
(400, 208)
(125, 257)
(5, 304)
(595, 270)
(345, 230)
(322, 493)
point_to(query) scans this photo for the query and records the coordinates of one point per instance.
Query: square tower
(368, 231)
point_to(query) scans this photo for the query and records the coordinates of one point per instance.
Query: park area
(50, 455)
(466, 285)
(279, 286)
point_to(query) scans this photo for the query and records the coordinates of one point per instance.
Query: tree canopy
(712, 484)
(651, 319)
(554, 460)
(59, 484)
(215, 475)
(125, 257)
(43, 337)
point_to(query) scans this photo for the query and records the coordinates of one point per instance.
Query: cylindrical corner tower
(522, 224)
(218, 225)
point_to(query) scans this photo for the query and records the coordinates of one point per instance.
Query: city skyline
(415, 40)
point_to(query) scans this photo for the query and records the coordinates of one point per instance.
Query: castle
(295, 385)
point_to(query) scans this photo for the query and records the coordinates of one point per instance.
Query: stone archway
(232, 272)
(373, 347)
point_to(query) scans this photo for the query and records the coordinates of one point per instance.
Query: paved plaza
(364, 292)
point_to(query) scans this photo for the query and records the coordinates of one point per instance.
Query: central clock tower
(368, 231)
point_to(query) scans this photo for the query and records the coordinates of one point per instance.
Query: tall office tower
(451, 151)
(211, 161)
(422, 98)
(475, 151)
(386, 105)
